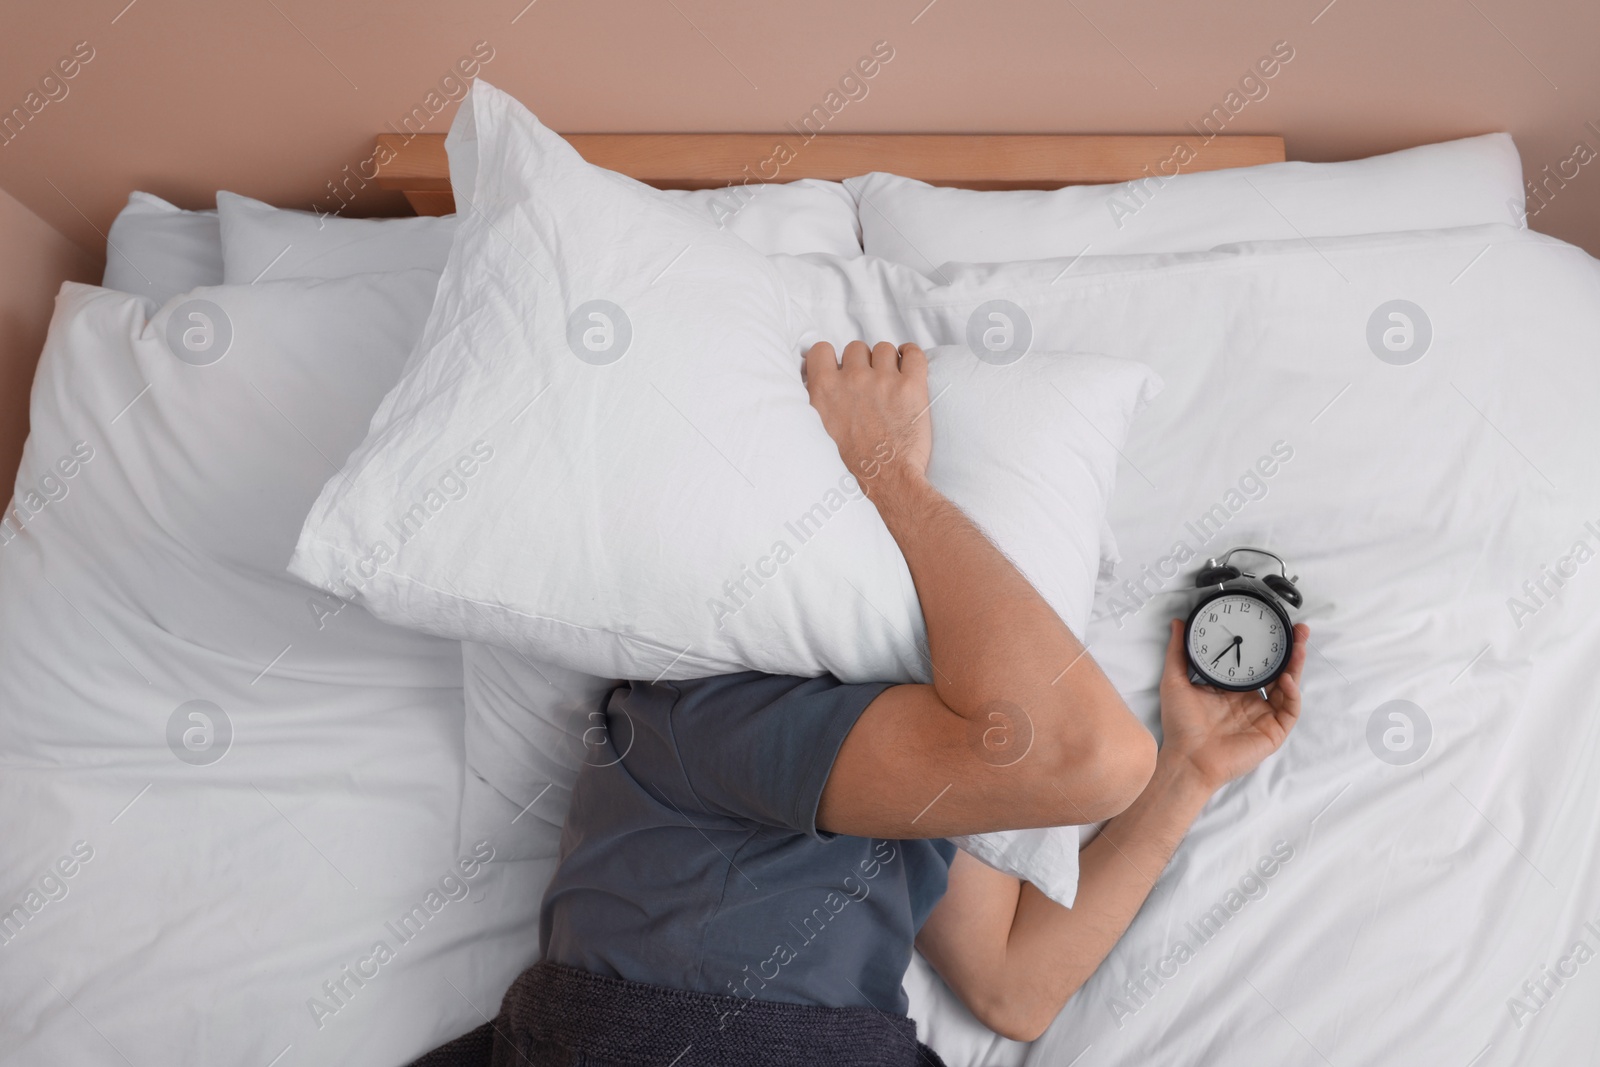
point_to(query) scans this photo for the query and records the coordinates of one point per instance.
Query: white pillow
(696, 516)
(158, 250)
(1007, 444)
(1457, 183)
(262, 243)
(526, 721)
(794, 217)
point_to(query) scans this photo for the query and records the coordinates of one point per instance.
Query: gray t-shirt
(691, 856)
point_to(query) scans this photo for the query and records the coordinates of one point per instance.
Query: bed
(221, 792)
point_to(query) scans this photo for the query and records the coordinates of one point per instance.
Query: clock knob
(1215, 574)
(1285, 588)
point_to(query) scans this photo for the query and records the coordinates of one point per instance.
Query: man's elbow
(1103, 771)
(1017, 1005)
(1017, 1021)
(1022, 1028)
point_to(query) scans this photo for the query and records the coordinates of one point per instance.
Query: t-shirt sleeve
(754, 747)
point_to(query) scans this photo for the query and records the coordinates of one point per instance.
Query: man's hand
(1214, 735)
(874, 404)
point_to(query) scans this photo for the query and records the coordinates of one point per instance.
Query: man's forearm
(1053, 950)
(1001, 657)
(989, 630)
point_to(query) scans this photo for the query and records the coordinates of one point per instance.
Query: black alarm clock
(1239, 636)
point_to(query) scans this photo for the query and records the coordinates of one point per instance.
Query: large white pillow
(261, 776)
(262, 243)
(1467, 182)
(659, 508)
(525, 744)
(1010, 444)
(158, 250)
(791, 217)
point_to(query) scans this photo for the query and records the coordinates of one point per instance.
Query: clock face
(1238, 641)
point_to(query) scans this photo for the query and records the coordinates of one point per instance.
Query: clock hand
(1225, 651)
(1238, 655)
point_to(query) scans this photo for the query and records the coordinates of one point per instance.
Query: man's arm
(1015, 956)
(1019, 727)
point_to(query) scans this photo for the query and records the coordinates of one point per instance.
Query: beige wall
(181, 97)
(36, 259)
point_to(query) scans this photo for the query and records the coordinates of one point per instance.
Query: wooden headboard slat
(419, 167)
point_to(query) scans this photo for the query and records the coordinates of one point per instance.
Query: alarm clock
(1239, 636)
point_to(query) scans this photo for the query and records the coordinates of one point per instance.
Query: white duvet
(1343, 905)
(220, 793)
(1427, 863)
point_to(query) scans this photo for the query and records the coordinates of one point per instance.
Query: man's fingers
(1284, 696)
(1289, 690)
(1177, 661)
(820, 360)
(857, 356)
(1286, 705)
(913, 361)
(1302, 641)
(908, 358)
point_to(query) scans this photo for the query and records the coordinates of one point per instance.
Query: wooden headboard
(417, 165)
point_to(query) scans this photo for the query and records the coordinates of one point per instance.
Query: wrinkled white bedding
(219, 794)
(1341, 905)
(1407, 904)
(1411, 900)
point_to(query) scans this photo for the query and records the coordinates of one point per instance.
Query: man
(744, 871)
